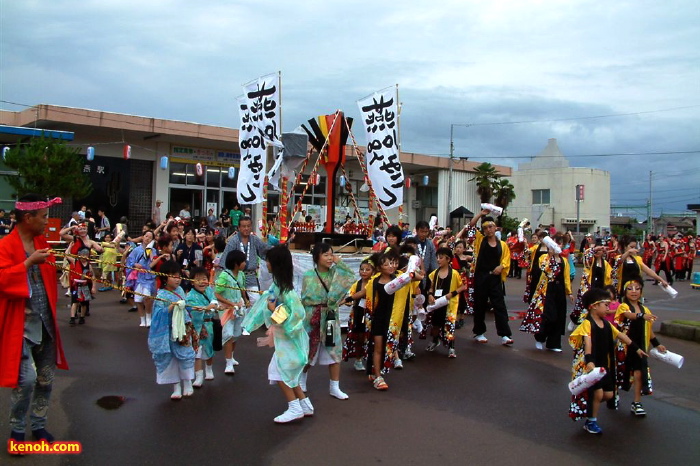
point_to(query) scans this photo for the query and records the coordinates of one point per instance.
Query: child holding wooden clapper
(280, 309)
(594, 346)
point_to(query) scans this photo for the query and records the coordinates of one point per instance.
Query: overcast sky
(456, 62)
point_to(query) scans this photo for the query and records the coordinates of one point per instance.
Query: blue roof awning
(36, 132)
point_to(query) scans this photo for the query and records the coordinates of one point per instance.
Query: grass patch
(693, 323)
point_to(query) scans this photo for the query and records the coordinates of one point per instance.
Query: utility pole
(650, 213)
(449, 181)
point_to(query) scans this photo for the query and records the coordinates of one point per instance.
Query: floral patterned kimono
(351, 347)
(290, 339)
(639, 334)
(578, 408)
(201, 319)
(447, 332)
(551, 270)
(403, 303)
(579, 313)
(323, 292)
(160, 342)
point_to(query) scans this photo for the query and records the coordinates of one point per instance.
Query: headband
(19, 205)
(487, 223)
(605, 301)
(628, 282)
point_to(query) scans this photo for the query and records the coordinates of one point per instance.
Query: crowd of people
(199, 290)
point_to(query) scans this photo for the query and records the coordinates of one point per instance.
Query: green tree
(485, 175)
(504, 192)
(508, 224)
(48, 167)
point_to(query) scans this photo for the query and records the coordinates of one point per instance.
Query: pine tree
(48, 167)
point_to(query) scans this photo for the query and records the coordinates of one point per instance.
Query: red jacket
(14, 291)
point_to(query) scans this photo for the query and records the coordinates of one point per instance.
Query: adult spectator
(211, 219)
(236, 214)
(30, 344)
(155, 213)
(185, 214)
(74, 219)
(254, 249)
(103, 227)
(492, 262)
(425, 249)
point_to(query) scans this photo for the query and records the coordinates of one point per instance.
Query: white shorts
(322, 357)
(273, 374)
(142, 289)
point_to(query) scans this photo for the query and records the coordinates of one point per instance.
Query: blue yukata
(174, 361)
(202, 319)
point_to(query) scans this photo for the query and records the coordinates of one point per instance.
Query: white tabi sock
(336, 392)
(307, 407)
(293, 413)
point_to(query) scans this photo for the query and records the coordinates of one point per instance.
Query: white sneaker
(187, 388)
(235, 363)
(306, 407)
(360, 366)
(555, 350)
(229, 370)
(539, 345)
(198, 379)
(336, 392)
(143, 322)
(292, 413)
(506, 341)
(302, 381)
(398, 364)
(177, 392)
(148, 320)
(209, 371)
(481, 338)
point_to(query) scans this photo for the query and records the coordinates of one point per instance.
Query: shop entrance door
(194, 197)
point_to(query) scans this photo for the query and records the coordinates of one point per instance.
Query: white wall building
(545, 191)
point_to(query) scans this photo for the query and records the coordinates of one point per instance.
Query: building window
(540, 196)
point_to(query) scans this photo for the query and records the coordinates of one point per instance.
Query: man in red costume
(30, 345)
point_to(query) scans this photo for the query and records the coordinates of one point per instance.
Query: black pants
(515, 270)
(553, 317)
(669, 275)
(490, 288)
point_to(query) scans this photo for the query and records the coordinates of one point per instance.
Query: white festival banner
(380, 122)
(259, 111)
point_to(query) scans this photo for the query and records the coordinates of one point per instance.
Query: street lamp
(449, 181)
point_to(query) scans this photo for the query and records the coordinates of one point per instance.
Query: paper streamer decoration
(397, 283)
(231, 173)
(585, 381)
(164, 163)
(551, 244)
(127, 152)
(495, 210)
(671, 291)
(90, 153)
(5, 150)
(440, 302)
(668, 357)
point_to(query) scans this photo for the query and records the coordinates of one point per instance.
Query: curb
(681, 331)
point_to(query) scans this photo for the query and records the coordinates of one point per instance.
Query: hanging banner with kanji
(380, 122)
(259, 111)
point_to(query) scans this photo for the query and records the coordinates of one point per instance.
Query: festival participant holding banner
(546, 315)
(594, 347)
(635, 320)
(490, 269)
(323, 290)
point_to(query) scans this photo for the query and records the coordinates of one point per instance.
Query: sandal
(380, 384)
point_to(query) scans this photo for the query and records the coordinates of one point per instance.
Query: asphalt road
(491, 405)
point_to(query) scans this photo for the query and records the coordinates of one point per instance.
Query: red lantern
(408, 182)
(127, 152)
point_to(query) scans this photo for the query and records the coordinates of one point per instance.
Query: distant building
(545, 192)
